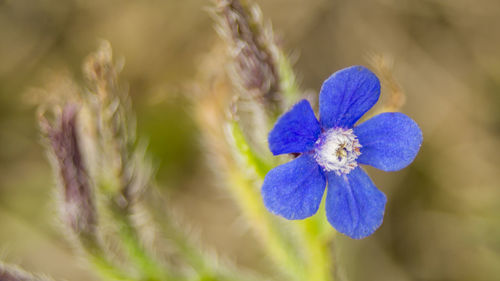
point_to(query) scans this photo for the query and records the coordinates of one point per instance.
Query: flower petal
(295, 131)
(390, 141)
(347, 95)
(354, 206)
(294, 190)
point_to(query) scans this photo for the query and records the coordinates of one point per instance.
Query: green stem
(275, 242)
(98, 259)
(248, 197)
(314, 233)
(288, 81)
(106, 270)
(204, 264)
(149, 267)
(316, 236)
(250, 157)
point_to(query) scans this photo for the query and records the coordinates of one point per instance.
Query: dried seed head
(255, 67)
(13, 273)
(78, 207)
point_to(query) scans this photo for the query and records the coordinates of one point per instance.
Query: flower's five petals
(346, 96)
(354, 206)
(294, 190)
(390, 141)
(296, 131)
(331, 151)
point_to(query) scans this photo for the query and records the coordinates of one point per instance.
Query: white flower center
(337, 150)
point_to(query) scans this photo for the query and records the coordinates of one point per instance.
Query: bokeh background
(442, 221)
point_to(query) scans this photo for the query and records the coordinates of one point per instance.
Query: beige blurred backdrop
(443, 215)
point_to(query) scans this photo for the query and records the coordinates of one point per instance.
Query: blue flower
(330, 151)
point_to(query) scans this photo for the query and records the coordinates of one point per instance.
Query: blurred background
(442, 221)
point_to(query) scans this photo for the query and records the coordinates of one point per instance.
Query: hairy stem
(275, 243)
(149, 267)
(314, 233)
(316, 236)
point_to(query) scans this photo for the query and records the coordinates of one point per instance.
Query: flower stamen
(337, 150)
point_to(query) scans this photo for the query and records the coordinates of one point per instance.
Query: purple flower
(331, 151)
